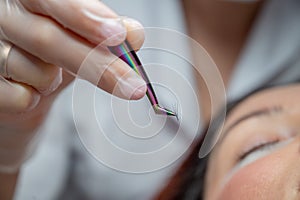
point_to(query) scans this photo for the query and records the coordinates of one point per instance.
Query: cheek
(260, 180)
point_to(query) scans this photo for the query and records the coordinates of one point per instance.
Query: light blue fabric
(272, 45)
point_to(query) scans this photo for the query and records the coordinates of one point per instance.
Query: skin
(14, 137)
(47, 34)
(8, 185)
(267, 173)
(222, 28)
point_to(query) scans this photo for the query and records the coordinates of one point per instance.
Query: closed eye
(260, 151)
(259, 147)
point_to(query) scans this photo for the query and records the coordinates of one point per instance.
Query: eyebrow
(256, 113)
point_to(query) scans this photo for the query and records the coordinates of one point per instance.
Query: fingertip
(53, 84)
(27, 98)
(132, 87)
(34, 102)
(135, 32)
(132, 24)
(114, 32)
(139, 93)
(18, 98)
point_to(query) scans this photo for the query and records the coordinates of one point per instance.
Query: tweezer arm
(125, 52)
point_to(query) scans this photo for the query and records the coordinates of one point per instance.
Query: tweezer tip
(160, 110)
(169, 112)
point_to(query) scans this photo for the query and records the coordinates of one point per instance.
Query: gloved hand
(50, 38)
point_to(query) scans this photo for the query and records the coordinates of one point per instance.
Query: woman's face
(258, 155)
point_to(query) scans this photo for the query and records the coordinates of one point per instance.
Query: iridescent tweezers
(128, 55)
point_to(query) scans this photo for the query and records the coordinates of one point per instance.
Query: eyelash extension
(175, 108)
(258, 147)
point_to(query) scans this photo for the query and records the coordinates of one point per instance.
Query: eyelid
(256, 147)
(262, 150)
(277, 142)
(273, 139)
(256, 113)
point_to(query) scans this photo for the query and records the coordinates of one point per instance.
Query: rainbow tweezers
(125, 52)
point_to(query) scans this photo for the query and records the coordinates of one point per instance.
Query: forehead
(281, 96)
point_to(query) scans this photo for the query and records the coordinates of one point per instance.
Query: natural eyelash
(243, 155)
(256, 148)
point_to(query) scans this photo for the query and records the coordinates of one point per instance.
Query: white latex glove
(51, 33)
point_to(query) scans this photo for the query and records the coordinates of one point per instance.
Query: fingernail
(132, 23)
(113, 30)
(135, 33)
(110, 28)
(54, 85)
(133, 88)
(24, 98)
(35, 101)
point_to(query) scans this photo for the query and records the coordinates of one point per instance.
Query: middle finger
(30, 70)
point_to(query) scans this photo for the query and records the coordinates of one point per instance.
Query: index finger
(90, 19)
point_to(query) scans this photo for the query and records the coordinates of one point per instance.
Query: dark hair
(188, 183)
